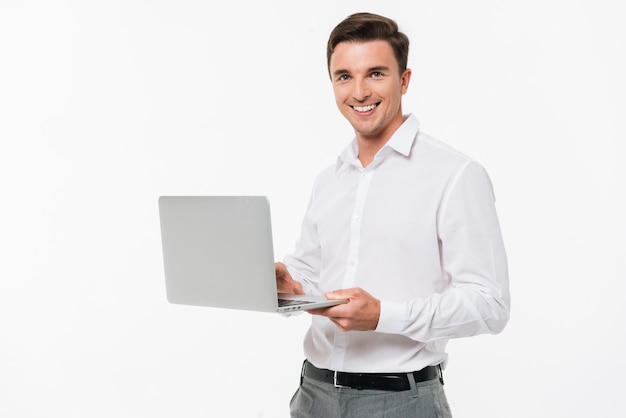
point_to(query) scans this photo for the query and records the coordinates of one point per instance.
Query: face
(368, 87)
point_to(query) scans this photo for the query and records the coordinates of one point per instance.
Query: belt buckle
(337, 385)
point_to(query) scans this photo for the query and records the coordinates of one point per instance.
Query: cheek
(338, 98)
(340, 103)
(341, 93)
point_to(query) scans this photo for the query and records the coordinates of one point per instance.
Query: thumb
(337, 294)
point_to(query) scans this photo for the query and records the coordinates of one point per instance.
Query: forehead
(354, 56)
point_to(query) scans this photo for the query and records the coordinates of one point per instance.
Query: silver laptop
(218, 252)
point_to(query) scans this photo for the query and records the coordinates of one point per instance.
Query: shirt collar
(401, 142)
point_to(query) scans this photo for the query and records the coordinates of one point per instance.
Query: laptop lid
(218, 252)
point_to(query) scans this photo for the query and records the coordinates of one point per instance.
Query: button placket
(353, 259)
(355, 228)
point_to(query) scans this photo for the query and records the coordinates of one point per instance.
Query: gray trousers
(315, 399)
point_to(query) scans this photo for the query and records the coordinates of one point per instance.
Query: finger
(318, 311)
(338, 294)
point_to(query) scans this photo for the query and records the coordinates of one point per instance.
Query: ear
(405, 78)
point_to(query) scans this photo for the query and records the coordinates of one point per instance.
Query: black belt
(395, 382)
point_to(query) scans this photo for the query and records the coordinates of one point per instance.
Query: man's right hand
(285, 283)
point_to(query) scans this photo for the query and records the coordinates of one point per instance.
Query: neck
(368, 150)
(369, 145)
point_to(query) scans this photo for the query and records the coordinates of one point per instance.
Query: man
(404, 227)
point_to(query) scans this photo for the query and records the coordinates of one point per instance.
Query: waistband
(394, 382)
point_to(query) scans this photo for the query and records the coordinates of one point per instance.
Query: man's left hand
(361, 313)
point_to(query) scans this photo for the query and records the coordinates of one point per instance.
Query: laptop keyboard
(287, 302)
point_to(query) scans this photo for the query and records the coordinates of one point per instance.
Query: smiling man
(405, 228)
(368, 86)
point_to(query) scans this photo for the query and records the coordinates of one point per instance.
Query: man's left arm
(474, 261)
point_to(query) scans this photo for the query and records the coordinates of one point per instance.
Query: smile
(363, 109)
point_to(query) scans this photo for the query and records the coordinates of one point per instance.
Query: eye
(343, 77)
(377, 74)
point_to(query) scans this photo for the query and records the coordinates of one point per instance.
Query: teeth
(364, 108)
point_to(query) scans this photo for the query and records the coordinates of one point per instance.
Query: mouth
(365, 109)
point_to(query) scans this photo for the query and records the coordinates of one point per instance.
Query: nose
(361, 91)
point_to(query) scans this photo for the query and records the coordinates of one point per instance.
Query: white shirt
(417, 228)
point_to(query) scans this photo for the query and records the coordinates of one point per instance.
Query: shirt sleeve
(304, 263)
(476, 299)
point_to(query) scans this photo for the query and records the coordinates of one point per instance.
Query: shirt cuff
(393, 317)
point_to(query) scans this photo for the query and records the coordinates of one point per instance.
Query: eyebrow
(340, 72)
(379, 68)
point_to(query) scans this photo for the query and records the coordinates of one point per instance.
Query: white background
(104, 106)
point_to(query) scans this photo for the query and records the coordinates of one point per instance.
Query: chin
(366, 130)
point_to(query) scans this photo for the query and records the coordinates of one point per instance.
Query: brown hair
(364, 27)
